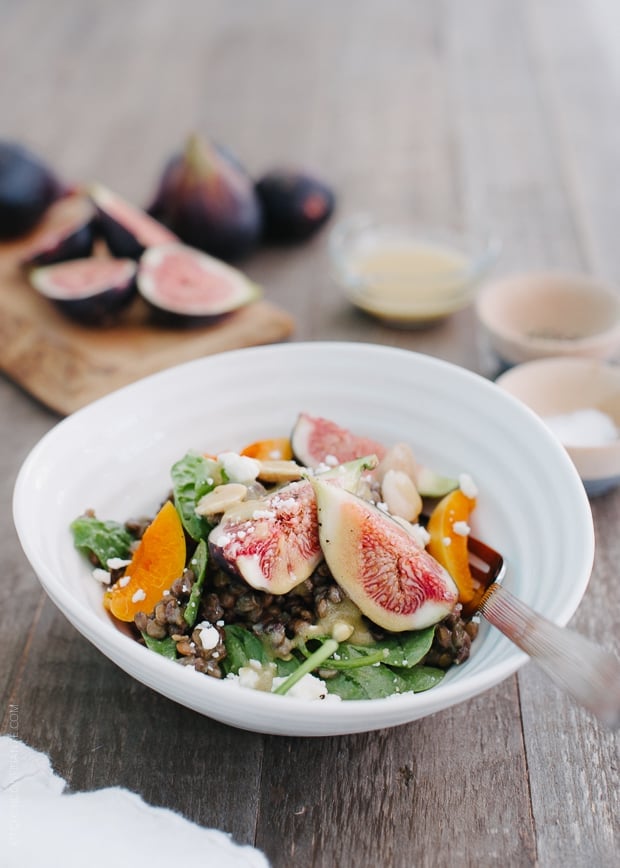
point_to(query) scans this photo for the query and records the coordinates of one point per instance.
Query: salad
(301, 566)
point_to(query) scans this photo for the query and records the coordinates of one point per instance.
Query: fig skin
(68, 232)
(209, 201)
(99, 306)
(27, 189)
(295, 205)
(128, 231)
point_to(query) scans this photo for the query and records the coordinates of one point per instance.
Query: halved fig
(184, 286)
(128, 231)
(272, 543)
(67, 232)
(393, 581)
(316, 440)
(92, 291)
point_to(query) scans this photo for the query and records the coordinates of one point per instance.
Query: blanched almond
(279, 471)
(221, 498)
(400, 495)
(398, 457)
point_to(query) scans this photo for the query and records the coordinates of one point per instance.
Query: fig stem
(329, 647)
(198, 156)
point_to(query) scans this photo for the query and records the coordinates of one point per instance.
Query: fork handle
(584, 670)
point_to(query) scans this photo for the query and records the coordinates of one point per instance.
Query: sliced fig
(272, 543)
(209, 201)
(27, 189)
(92, 291)
(184, 286)
(295, 204)
(128, 230)
(68, 232)
(316, 440)
(393, 581)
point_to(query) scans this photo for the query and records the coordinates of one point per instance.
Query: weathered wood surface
(491, 114)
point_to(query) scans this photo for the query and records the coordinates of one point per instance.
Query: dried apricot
(448, 528)
(276, 449)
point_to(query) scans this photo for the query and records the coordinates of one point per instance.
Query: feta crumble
(468, 486)
(117, 563)
(138, 596)
(239, 468)
(461, 528)
(102, 576)
(209, 635)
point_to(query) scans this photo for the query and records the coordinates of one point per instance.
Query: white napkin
(41, 825)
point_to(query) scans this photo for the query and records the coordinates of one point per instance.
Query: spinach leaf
(377, 682)
(193, 477)
(166, 647)
(198, 563)
(104, 539)
(241, 646)
(408, 648)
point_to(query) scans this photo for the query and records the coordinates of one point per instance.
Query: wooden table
(490, 114)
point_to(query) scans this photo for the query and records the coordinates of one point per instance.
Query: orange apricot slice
(156, 563)
(448, 529)
(275, 449)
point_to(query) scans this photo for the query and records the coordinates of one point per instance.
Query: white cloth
(41, 825)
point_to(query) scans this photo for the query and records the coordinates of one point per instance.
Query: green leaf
(105, 539)
(198, 563)
(241, 646)
(193, 477)
(377, 682)
(408, 648)
(166, 647)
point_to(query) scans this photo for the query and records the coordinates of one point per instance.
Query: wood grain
(490, 115)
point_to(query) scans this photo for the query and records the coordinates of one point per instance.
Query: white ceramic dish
(565, 388)
(544, 314)
(115, 455)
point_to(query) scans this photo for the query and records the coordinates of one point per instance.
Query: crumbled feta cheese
(138, 596)
(209, 635)
(122, 583)
(331, 461)
(420, 534)
(461, 528)
(102, 576)
(239, 468)
(262, 513)
(447, 540)
(309, 688)
(117, 563)
(468, 486)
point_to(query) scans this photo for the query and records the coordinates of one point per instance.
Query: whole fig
(209, 202)
(27, 189)
(295, 204)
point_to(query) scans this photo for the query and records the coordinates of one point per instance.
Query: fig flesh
(68, 232)
(27, 189)
(128, 231)
(209, 202)
(184, 286)
(295, 205)
(91, 291)
(316, 441)
(272, 543)
(392, 580)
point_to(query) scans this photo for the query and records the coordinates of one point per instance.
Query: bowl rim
(336, 718)
(502, 328)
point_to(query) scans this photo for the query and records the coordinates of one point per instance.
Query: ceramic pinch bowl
(405, 275)
(579, 399)
(546, 314)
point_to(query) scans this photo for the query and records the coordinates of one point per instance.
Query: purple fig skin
(27, 189)
(295, 205)
(128, 231)
(101, 307)
(68, 232)
(206, 199)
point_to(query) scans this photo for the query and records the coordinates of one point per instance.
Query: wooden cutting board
(66, 365)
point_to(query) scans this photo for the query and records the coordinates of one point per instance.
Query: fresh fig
(295, 205)
(92, 291)
(209, 202)
(68, 232)
(272, 543)
(316, 440)
(184, 286)
(27, 189)
(392, 580)
(128, 231)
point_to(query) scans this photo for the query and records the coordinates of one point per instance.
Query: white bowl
(114, 456)
(570, 395)
(544, 314)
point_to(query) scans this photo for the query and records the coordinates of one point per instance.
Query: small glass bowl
(406, 275)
